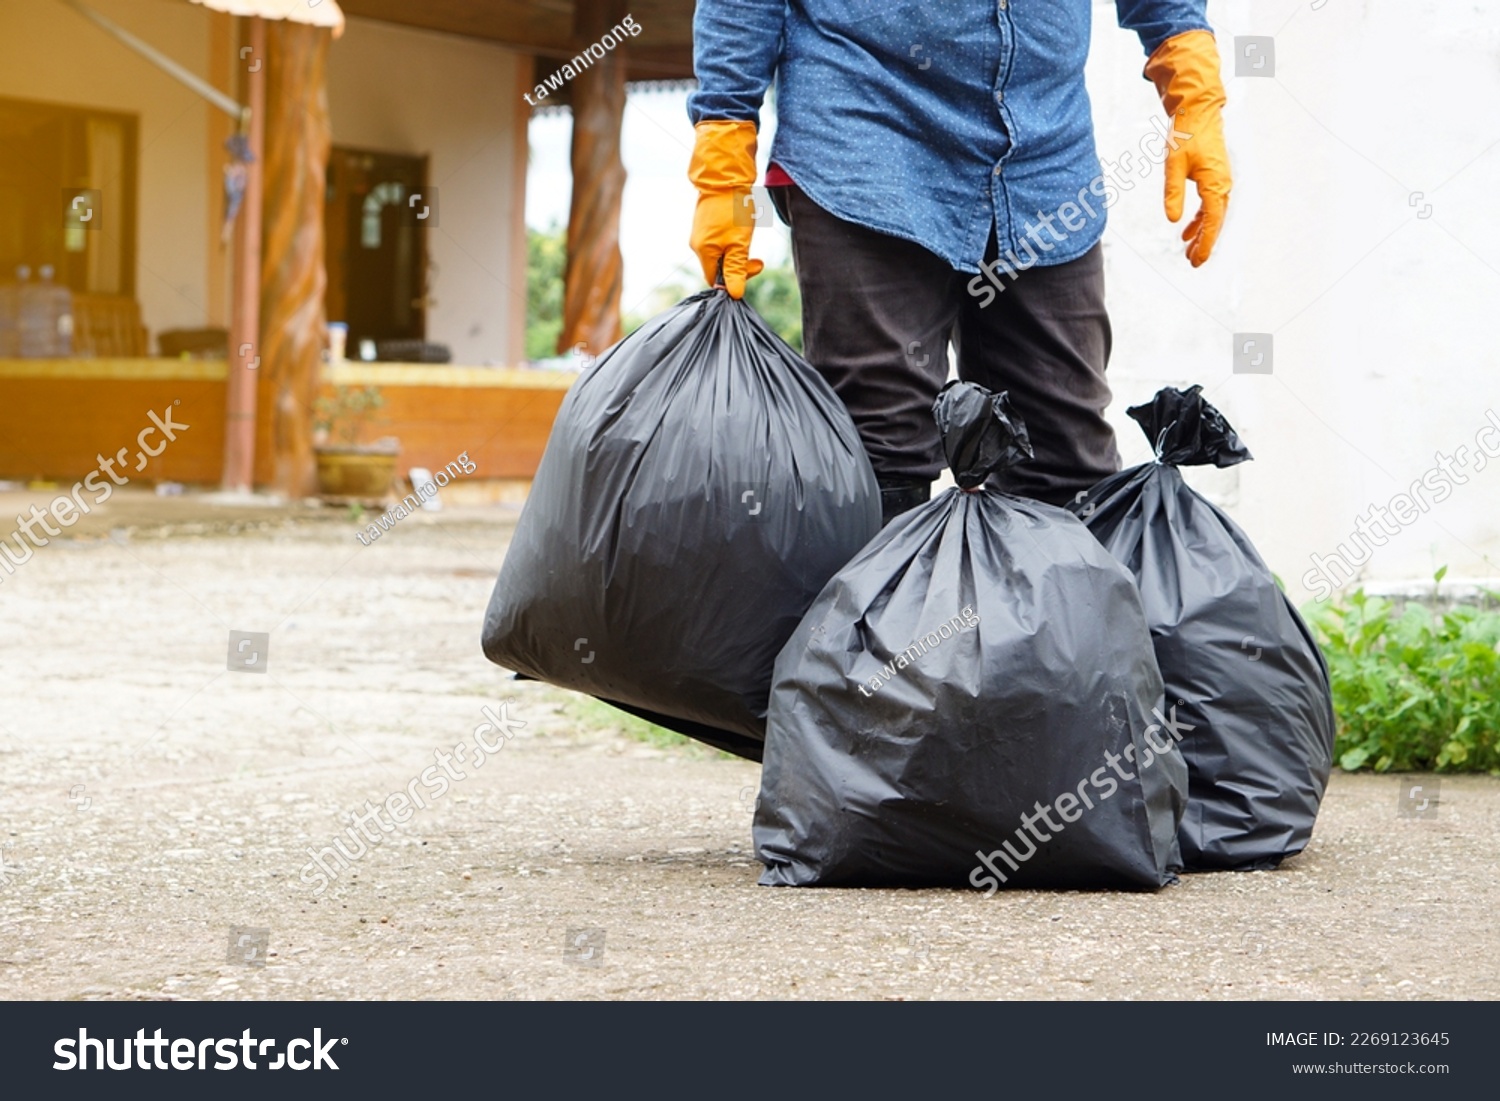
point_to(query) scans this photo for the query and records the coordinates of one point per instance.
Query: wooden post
(244, 325)
(221, 255)
(515, 341)
(293, 278)
(595, 271)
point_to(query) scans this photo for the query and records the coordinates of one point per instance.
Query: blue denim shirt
(930, 121)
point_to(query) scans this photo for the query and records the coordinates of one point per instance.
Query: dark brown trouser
(878, 314)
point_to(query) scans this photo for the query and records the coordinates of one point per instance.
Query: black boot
(897, 495)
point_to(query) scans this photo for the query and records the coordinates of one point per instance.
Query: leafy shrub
(1416, 689)
(345, 416)
(777, 297)
(546, 261)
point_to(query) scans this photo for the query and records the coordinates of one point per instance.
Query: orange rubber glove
(1185, 70)
(723, 171)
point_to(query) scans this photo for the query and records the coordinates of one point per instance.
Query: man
(936, 165)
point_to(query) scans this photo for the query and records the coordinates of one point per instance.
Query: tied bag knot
(1185, 430)
(982, 432)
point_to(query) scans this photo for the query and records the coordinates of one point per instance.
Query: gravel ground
(158, 808)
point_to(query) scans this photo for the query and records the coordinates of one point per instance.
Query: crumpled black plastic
(1185, 430)
(1234, 654)
(700, 485)
(982, 433)
(921, 777)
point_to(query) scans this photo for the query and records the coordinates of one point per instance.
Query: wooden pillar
(595, 271)
(293, 278)
(244, 327)
(221, 44)
(515, 340)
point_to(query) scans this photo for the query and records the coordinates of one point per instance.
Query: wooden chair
(108, 326)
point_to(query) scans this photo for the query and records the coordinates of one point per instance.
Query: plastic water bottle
(46, 317)
(57, 314)
(10, 314)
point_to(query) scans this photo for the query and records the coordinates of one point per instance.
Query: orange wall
(57, 416)
(54, 424)
(504, 429)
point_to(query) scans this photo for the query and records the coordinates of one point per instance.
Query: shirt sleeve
(736, 48)
(1155, 21)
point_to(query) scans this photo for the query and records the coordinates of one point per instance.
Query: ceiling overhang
(545, 29)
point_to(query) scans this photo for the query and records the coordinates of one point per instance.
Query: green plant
(660, 299)
(344, 415)
(595, 715)
(777, 298)
(546, 262)
(1417, 689)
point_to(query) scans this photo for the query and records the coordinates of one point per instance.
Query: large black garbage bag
(972, 701)
(700, 485)
(1236, 657)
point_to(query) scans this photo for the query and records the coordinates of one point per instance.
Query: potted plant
(348, 467)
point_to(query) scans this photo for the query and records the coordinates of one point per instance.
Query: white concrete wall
(50, 53)
(454, 99)
(1384, 349)
(1383, 320)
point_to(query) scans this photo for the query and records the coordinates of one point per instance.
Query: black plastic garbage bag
(1238, 662)
(972, 701)
(700, 486)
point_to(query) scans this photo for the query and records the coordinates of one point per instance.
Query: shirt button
(1004, 4)
(999, 97)
(997, 170)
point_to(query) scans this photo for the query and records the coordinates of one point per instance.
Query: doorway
(375, 248)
